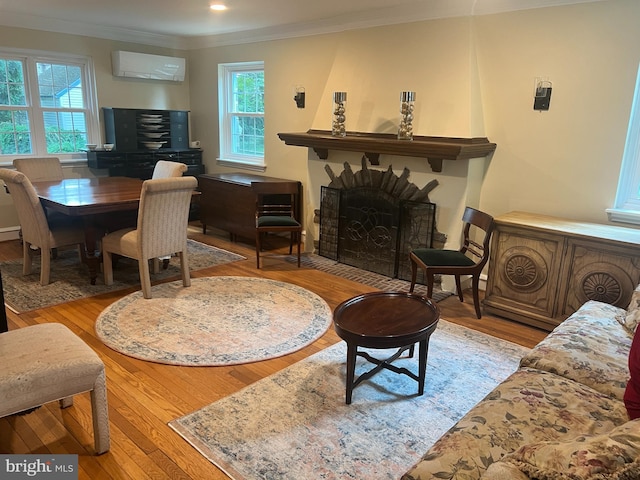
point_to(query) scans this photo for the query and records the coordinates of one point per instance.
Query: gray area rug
(216, 321)
(295, 424)
(376, 280)
(70, 278)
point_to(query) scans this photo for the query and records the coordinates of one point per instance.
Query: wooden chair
(469, 260)
(275, 213)
(167, 169)
(36, 231)
(163, 216)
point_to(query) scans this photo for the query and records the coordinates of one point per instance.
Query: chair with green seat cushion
(469, 260)
(275, 213)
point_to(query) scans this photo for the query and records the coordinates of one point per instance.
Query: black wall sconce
(542, 98)
(299, 97)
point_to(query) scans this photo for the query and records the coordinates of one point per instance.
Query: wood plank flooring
(144, 396)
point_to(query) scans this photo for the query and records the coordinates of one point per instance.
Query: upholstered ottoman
(48, 362)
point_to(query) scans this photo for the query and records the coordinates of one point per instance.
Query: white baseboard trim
(9, 233)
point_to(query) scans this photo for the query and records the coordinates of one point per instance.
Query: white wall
(473, 77)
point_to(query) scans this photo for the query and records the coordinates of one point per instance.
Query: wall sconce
(542, 95)
(299, 97)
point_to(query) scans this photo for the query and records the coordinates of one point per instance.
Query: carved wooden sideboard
(543, 268)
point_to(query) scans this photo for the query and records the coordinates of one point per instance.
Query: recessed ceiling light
(218, 7)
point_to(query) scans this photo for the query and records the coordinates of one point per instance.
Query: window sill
(623, 216)
(240, 165)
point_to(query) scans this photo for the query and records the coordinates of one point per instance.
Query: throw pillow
(632, 391)
(632, 318)
(614, 455)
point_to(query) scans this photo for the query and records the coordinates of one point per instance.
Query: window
(627, 204)
(47, 104)
(241, 105)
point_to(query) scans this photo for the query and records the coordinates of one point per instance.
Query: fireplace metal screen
(370, 229)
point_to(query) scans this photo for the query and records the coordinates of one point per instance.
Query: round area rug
(215, 321)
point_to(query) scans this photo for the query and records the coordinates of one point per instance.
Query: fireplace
(371, 219)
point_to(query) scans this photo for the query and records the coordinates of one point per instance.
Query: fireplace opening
(372, 219)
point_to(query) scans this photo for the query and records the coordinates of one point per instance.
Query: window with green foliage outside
(241, 102)
(48, 114)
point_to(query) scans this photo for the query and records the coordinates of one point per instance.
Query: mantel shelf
(434, 149)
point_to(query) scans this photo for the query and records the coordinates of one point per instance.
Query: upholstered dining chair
(163, 216)
(275, 213)
(44, 169)
(36, 231)
(469, 260)
(40, 169)
(168, 169)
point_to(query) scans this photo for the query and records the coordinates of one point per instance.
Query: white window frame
(227, 157)
(29, 59)
(627, 204)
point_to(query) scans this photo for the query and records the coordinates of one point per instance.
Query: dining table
(103, 203)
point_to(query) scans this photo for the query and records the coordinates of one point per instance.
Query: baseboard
(9, 233)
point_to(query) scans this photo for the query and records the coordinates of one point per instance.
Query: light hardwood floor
(144, 397)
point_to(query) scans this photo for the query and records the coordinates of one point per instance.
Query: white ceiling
(187, 24)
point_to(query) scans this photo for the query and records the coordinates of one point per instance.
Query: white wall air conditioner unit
(143, 65)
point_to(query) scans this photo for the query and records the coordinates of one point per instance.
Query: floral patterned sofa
(560, 416)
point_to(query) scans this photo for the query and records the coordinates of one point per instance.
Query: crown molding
(420, 10)
(34, 22)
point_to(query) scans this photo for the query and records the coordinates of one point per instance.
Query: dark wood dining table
(99, 202)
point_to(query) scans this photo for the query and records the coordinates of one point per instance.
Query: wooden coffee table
(386, 320)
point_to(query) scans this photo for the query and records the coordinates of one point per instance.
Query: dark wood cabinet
(129, 129)
(140, 164)
(228, 203)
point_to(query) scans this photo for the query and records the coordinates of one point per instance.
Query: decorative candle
(337, 127)
(405, 130)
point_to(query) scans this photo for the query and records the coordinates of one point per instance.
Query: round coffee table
(386, 320)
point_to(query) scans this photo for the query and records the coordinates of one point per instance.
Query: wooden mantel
(434, 149)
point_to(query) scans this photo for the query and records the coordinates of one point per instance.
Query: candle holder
(405, 130)
(337, 127)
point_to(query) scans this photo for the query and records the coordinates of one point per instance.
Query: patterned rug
(215, 321)
(70, 278)
(376, 280)
(295, 424)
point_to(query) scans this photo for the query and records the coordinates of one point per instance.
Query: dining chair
(163, 217)
(43, 169)
(36, 231)
(168, 169)
(275, 213)
(40, 169)
(469, 260)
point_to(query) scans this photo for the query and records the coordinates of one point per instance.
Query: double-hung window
(241, 111)
(627, 204)
(47, 104)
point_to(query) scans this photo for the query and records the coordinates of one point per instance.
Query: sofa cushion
(608, 456)
(632, 317)
(529, 406)
(590, 347)
(632, 392)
